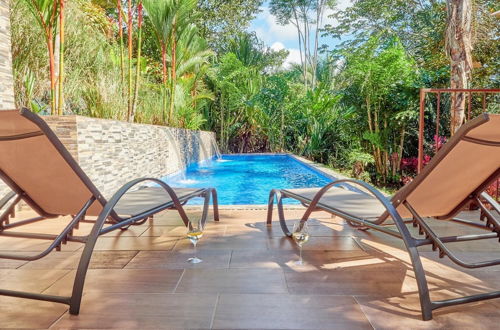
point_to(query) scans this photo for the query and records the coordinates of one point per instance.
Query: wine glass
(300, 235)
(194, 234)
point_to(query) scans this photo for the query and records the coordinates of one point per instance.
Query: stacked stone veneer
(113, 152)
(6, 80)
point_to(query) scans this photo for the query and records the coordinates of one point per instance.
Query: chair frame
(411, 243)
(107, 216)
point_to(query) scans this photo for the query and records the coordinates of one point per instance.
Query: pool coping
(323, 169)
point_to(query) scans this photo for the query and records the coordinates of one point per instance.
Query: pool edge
(314, 166)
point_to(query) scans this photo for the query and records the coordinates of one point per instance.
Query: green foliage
(355, 107)
(252, 52)
(88, 65)
(376, 73)
(220, 21)
(240, 119)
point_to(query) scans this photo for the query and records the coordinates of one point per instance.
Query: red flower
(406, 179)
(439, 141)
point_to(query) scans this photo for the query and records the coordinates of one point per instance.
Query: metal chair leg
(270, 206)
(76, 296)
(281, 214)
(215, 204)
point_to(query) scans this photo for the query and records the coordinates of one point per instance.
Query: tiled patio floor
(139, 278)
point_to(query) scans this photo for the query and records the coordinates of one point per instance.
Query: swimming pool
(248, 179)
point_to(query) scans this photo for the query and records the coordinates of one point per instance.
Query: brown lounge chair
(42, 173)
(457, 175)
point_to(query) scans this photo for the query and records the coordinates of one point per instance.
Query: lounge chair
(457, 175)
(42, 173)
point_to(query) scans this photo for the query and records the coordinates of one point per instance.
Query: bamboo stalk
(60, 104)
(120, 33)
(138, 65)
(130, 54)
(52, 69)
(173, 71)
(165, 85)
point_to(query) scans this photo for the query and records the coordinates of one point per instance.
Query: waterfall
(216, 147)
(177, 150)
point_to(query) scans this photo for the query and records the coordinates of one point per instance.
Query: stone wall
(113, 152)
(6, 79)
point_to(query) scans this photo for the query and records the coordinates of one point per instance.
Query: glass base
(300, 263)
(194, 260)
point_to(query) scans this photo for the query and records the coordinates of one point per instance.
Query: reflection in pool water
(247, 179)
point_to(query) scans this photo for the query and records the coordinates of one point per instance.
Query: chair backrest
(465, 165)
(34, 163)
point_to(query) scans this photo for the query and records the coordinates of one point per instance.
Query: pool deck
(248, 280)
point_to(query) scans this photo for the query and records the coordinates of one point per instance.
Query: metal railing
(439, 92)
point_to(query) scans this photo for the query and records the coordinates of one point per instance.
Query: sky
(285, 37)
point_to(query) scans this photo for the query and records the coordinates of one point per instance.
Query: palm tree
(46, 13)
(160, 16)
(169, 18)
(193, 59)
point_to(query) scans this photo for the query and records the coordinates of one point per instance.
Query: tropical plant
(60, 102)
(140, 19)
(170, 20)
(379, 71)
(46, 13)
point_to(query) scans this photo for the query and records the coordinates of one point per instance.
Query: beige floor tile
(339, 243)
(321, 230)
(357, 280)
(136, 243)
(404, 313)
(283, 311)
(142, 311)
(70, 260)
(433, 260)
(132, 231)
(232, 281)
(121, 281)
(379, 241)
(17, 313)
(12, 263)
(172, 218)
(249, 268)
(30, 279)
(313, 260)
(180, 231)
(178, 259)
(244, 241)
(9, 244)
(46, 226)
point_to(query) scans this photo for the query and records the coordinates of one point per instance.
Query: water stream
(177, 150)
(216, 147)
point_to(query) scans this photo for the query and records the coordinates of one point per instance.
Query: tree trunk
(60, 103)
(120, 33)
(173, 71)
(137, 75)
(320, 6)
(130, 54)
(52, 69)
(164, 73)
(302, 47)
(458, 49)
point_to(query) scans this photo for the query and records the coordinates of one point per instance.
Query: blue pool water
(248, 179)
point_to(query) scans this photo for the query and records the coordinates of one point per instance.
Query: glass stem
(195, 251)
(300, 253)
